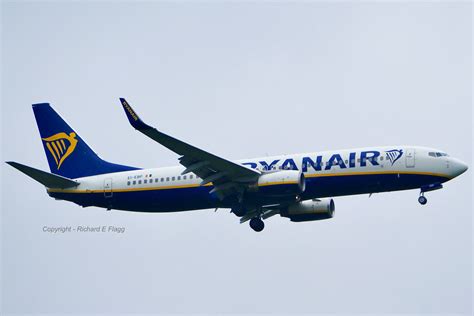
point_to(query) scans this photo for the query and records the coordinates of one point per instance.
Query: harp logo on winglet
(61, 146)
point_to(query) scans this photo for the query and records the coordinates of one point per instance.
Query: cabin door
(108, 188)
(410, 158)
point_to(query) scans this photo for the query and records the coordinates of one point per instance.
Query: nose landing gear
(257, 224)
(427, 188)
(422, 199)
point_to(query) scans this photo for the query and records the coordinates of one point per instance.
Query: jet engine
(312, 210)
(281, 183)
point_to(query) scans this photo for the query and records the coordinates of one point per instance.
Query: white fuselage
(328, 173)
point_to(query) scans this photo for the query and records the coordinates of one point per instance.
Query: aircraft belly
(317, 187)
(173, 200)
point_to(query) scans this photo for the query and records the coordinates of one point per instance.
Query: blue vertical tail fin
(68, 155)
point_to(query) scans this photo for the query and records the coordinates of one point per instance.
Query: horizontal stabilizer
(47, 179)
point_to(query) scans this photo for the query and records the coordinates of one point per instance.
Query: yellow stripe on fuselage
(314, 175)
(170, 187)
(277, 183)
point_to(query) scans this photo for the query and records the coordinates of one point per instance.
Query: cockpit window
(437, 154)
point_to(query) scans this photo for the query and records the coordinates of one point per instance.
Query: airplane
(299, 187)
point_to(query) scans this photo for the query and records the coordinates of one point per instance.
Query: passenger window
(128, 182)
(156, 180)
(145, 181)
(381, 158)
(358, 159)
(172, 178)
(167, 179)
(191, 176)
(179, 178)
(162, 179)
(134, 182)
(139, 181)
(184, 177)
(346, 161)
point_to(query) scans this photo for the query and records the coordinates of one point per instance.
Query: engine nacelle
(312, 210)
(281, 183)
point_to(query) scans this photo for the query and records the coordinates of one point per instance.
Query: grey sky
(240, 80)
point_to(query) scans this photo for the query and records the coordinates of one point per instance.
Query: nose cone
(457, 167)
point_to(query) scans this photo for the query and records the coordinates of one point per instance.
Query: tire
(257, 224)
(422, 200)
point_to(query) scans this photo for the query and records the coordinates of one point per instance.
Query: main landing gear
(239, 210)
(257, 224)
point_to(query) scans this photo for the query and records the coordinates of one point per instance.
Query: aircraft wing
(226, 175)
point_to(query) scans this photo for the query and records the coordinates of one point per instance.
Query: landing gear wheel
(257, 224)
(422, 200)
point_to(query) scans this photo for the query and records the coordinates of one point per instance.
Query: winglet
(133, 118)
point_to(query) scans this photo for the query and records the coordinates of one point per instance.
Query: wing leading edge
(226, 176)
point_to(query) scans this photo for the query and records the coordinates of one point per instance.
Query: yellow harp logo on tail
(58, 147)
